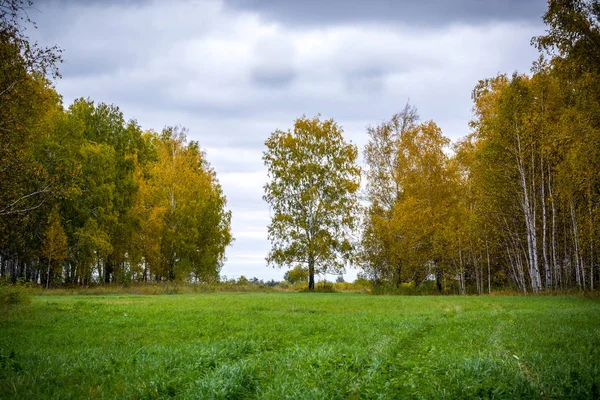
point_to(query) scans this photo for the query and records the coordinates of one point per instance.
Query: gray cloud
(273, 77)
(274, 62)
(430, 13)
(367, 80)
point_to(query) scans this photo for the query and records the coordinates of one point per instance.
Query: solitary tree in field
(312, 193)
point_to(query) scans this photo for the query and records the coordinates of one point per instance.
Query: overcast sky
(233, 71)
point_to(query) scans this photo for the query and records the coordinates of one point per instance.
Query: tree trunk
(579, 275)
(398, 276)
(529, 215)
(145, 274)
(108, 269)
(554, 257)
(487, 250)
(172, 263)
(172, 269)
(567, 258)
(521, 272)
(438, 276)
(100, 269)
(311, 273)
(478, 277)
(461, 276)
(548, 277)
(48, 275)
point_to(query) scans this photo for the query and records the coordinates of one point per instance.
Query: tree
(572, 39)
(26, 99)
(126, 199)
(185, 226)
(312, 194)
(573, 34)
(296, 274)
(26, 96)
(409, 187)
(55, 244)
(379, 252)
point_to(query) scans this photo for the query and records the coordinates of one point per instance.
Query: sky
(233, 71)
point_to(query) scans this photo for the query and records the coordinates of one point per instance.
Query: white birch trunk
(526, 206)
(547, 274)
(579, 277)
(557, 281)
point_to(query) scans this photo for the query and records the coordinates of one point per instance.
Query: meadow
(300, 346)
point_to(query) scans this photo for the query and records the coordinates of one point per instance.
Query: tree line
(512, 204)
(88, 196)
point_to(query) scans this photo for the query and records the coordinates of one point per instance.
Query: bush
(324, 287)
(344, 287)
(13, 295)
(362, 283)
(284, 285)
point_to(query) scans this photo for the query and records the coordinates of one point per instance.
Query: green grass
(299, 346)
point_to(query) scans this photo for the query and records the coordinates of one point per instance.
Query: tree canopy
(89, 197)
(312, 193)
(516, 201)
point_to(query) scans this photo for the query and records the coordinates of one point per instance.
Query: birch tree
(312, 192)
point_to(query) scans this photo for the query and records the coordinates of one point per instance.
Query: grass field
(300, 346)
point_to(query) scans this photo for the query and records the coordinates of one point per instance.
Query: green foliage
(313, 180)
(294, 345)
(124, 206)
(101, 181)
(11, 295)
(26, 98)
(55, 244)
(296, 274)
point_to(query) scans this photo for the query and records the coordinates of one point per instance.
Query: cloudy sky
(233, 71)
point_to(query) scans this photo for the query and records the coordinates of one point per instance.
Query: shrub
(13, 295)
(284, 285)
(324, 287)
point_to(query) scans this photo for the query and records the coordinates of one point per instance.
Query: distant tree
(271, 283)
(340, 279)
(256, 281)
(296, 274)
(312, 193)
(362, 280)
